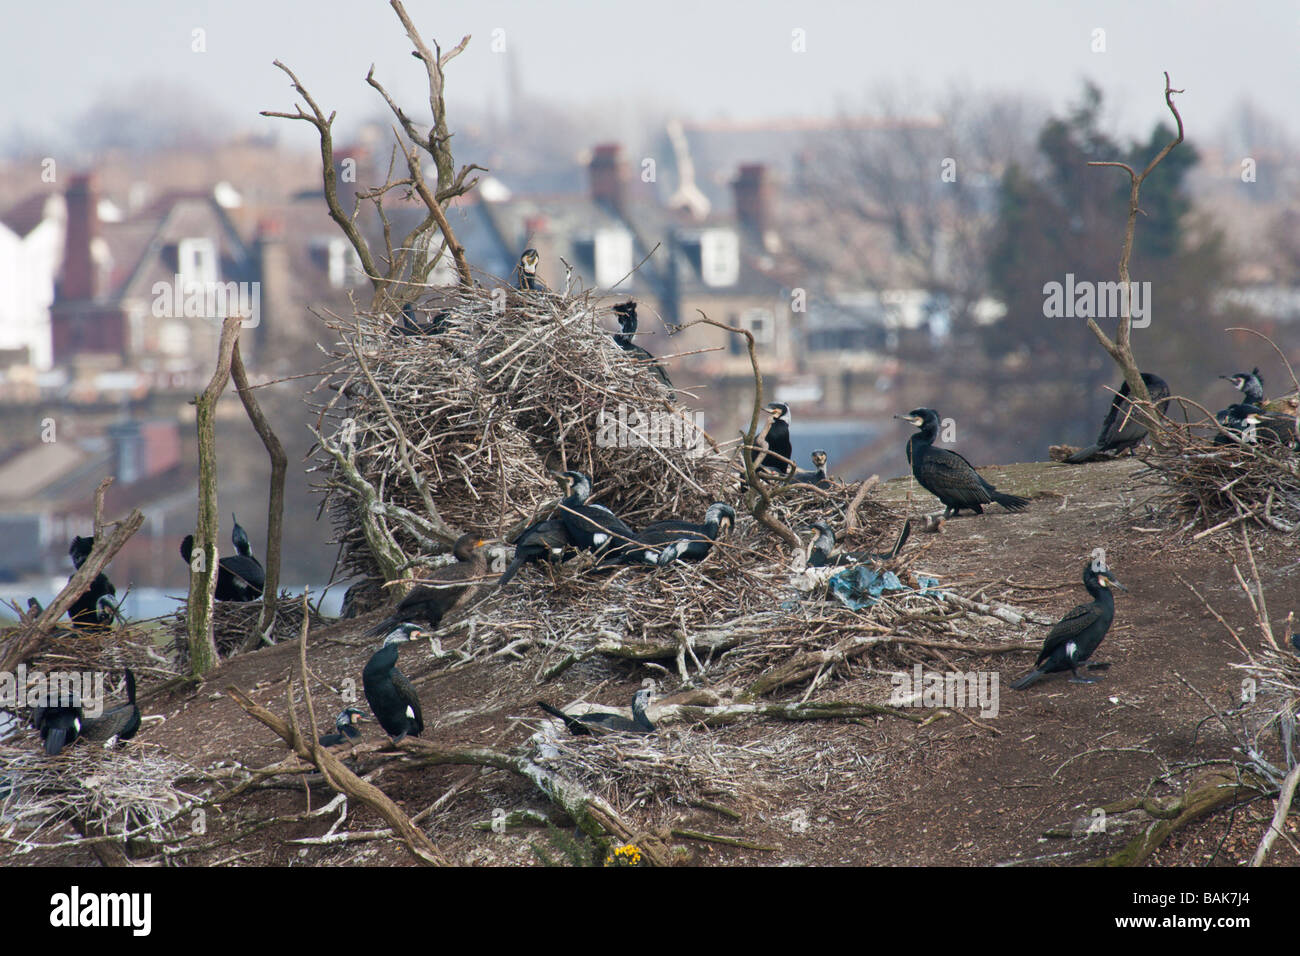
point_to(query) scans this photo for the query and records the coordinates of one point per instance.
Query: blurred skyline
(704, 61)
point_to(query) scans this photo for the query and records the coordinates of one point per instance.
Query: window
(719, 257)
(196, 260)
(761, 324)
(344, 265)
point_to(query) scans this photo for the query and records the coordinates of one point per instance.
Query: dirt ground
(960, 789)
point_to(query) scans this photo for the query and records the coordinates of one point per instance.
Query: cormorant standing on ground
(95, 607)
(664, 542)
(345, 726)
(121, 721)
(776, 440)
(627, 320)
(239, 578)
(591, 527)
(604, 723)
(1075, 637)
(1123, 430)
(391, 697)
(528, 281)
(947, 475)
(823, 553)
(451, 587)
(817, 478)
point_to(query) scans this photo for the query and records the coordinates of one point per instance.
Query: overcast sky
(704, 59)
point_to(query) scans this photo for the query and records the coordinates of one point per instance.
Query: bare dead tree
(1121, 349)
(399, 272)
(203, 571)
(275, 502)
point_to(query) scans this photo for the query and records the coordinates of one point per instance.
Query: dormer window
(613, 255)
(196, 261)
(719, 257)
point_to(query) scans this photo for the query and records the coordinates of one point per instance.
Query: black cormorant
(824, 555)
(94, 607)
(947, 475)
(679, 540)
(411, 326)
(58, 725)
(450, 587)
(545, 540)
(391, 697)
(1075, 637)
(239, 578)
(627, 320)
(345, 726)
(1123, 429)
(121, 721)
(528, 281)
(591, 527)
(1255, 426)
(818, 477)
(604, 723)
(776, 440)
(1250, 384)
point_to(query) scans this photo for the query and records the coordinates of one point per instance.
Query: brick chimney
(273, 274)
(78, 280)
(753, 196)
(606, 174)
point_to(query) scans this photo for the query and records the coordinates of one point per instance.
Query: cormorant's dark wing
(955, 479)
(1075, 622)
(407, 693)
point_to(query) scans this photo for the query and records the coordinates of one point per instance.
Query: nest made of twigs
(513, 387)
(1204, 485)
(234, 621)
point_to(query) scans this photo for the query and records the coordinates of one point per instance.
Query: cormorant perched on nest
(95, 607)
(947, 475)
(1256, 426)
(121, 721)
(450, 587)
(239, 577)
(528, 262)
(391, 697)
(1075, 637)
(1123, 429)
(591, 527)
(776, 439)
(58, 726)
(664, 542)
(817, 478)
(627, 320)
(345, 726)
(823, 554)
(411, 326)
(246, 565)
(1250, 384)
(541, 541)
(603, 723)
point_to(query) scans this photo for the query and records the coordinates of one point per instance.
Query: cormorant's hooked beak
(1111, 582)
(911, 420)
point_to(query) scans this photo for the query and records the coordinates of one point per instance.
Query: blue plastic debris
(861, 586)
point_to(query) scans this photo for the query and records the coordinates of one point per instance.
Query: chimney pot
(606, 174)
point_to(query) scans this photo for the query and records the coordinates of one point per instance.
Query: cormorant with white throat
(947, 475)
(391, 697)
(1076, 636)
(606, 723)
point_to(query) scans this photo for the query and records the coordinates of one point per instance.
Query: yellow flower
(626, 855)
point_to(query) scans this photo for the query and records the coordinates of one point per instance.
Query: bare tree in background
(400, 267)
(926, 182)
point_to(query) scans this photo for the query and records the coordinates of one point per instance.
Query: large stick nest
(512, 388)
(1207, 485)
